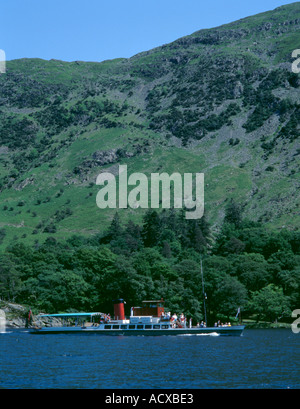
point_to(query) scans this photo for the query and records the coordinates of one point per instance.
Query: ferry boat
(150, 319)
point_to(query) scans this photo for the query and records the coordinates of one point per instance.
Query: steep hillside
(222, 101)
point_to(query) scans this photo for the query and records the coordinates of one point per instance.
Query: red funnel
(119, 309)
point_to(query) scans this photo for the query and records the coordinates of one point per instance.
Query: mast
(203, 292)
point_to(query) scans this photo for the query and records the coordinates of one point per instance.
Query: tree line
(245, 265)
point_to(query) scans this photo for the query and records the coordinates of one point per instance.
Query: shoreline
(15, 319)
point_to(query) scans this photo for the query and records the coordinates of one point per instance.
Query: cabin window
(107, 326)
(149, 305)
(148, 326)
(131, 326)
(139, 326)
(164, 326)
(156, 326)
(116, 327)
(123, 326)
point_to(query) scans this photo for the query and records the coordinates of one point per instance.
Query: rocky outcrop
(16, 316)
(13, 315)
(101, 158)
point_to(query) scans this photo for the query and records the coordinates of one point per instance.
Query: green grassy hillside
(221, 101)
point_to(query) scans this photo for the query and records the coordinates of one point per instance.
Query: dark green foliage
(22, 91)
(189, 124)
(51, 228)
(17, 133)
(151, 228)
(291, 130)
(247, 266)
(56, 117)
(2, 235)
(266, 104)
(233, 213)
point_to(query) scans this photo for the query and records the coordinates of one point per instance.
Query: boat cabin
(150, 308)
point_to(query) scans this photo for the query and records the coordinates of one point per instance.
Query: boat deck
(139, 329)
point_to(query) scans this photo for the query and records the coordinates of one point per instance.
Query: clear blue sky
(96, 30)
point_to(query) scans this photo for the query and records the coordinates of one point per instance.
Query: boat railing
(165, 319)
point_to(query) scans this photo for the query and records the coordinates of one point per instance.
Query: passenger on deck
(106, 318)
(174, 317)
(182, 319)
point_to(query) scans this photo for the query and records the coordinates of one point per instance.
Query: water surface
(259, 359)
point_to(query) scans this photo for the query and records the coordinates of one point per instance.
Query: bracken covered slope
(222, 101)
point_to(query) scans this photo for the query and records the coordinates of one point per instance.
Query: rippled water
(259, 359)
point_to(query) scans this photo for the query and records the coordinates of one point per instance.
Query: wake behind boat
(150, 319)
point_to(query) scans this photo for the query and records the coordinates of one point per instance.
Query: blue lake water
(259, 359)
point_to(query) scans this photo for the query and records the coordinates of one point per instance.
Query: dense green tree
(230, 294)
(224, 239)
(151, 228)
(254, 238)
(252, 270)
(276, 242)
(60, 290)
(166, 250)
(233, 213)
(269, 303)
(10, 279)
